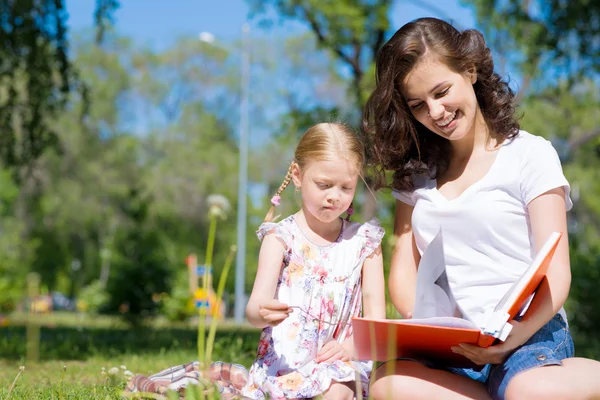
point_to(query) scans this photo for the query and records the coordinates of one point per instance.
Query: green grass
(85, 346)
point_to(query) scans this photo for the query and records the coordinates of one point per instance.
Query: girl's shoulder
(281, 229)
(371, 230)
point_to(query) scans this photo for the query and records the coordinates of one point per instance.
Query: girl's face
(328, 187)
(442, 100)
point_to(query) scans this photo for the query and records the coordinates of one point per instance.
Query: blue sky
(160, 22)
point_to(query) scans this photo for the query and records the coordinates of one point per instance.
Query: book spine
(485, 340)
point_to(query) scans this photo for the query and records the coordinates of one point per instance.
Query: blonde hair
(327, 141)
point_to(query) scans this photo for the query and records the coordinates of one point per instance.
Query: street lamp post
(240, 297)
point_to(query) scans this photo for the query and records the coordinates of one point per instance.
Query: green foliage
(36, 76)
(351, 30)
(565, 39)
(141, 271)
(176, 305)
(582, 305)
(92, 297)
(14, 252)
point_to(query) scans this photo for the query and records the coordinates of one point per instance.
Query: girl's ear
(296, 175)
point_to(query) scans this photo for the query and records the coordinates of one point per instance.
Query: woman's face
(442, 100)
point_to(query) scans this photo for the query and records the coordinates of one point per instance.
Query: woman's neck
(479, 138)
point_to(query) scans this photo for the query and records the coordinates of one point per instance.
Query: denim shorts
(548, 346)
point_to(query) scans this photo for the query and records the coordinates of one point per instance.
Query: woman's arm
(405, 260)
(373, 286)
(547, 214)
(262, 308)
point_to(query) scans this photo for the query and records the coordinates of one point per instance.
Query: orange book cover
(432, 338)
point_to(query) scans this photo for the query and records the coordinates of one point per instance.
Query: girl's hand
(332, 351)
(495, 354)
(273, 312)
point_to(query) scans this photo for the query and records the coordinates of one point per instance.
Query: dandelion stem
(62, 375)
(212, 230)
(220, 289)
(21, 369)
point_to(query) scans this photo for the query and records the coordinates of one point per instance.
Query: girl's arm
(262, 308)
(373, 293)
(548, 214)
(405, 260)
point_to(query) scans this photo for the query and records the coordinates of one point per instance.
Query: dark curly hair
(399, 142)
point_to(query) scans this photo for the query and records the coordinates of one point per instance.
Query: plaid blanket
(228, 378)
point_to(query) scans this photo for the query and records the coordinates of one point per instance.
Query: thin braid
(275, 199)
(286, 181)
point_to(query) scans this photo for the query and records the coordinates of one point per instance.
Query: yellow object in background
(205, 300)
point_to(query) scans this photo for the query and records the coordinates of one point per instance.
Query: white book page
(434, 297)
(448, 322)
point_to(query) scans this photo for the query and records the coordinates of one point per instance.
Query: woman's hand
(333, 351)
(495, 354)
(273, 312)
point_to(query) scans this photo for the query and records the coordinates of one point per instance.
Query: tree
(565, 37)
(565, 40)
(91, 172)
(351, 30)
(36, 75)
(13, 269)
(142, 271)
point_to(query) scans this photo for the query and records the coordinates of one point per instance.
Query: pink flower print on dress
(328, 306)
(263, 346)
(321, 273)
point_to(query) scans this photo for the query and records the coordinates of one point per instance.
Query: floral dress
(323, 285)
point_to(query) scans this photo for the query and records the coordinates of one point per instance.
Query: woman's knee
(403, 380)
(521, 387)
(393, 387)
(413, 380)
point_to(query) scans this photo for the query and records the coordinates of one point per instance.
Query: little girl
(315, 269)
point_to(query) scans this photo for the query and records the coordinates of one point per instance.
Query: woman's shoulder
(528, 149)
(525, 141)
(422, 183)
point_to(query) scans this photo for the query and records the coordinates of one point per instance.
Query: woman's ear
(472, 73)
(296, 175)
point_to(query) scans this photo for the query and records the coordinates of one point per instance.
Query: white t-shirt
(488, 241)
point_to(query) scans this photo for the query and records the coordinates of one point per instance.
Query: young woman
(443, 121)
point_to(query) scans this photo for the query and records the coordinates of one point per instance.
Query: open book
(438, 322)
